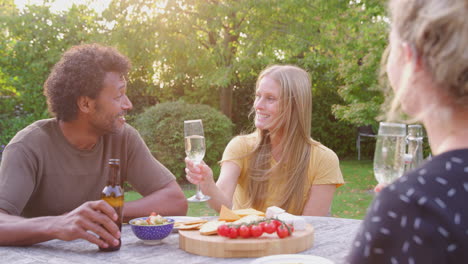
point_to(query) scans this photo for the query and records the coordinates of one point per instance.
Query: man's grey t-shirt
(43, 174)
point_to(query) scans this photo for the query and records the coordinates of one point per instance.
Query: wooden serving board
(268, 244)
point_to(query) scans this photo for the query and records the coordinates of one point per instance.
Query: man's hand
(92, 221)
(91, 217)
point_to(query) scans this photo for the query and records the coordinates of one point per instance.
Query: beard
(106, 123)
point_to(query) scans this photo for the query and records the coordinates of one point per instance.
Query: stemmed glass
(389, 152)
(195, 150)
(415, 146)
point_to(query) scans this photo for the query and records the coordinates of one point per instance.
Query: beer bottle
(113, 194)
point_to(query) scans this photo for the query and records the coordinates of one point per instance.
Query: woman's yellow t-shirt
(323, 169)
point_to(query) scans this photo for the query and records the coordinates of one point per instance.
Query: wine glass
(195, 150)
(415, 146)
(389, 153)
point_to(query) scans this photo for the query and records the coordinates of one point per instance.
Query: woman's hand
(222, 191)
(198, 173)
(379, 187)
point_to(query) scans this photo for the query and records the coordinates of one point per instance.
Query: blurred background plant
(2, 147)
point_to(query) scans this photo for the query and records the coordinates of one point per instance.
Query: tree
(361, 38)
(33, 41)
(133, 28)
(201, 43)
(209, 49)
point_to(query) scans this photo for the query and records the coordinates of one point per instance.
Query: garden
(200, 60)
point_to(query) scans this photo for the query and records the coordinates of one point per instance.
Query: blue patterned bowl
(152, 234)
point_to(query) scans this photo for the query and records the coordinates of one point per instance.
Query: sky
(61, 5)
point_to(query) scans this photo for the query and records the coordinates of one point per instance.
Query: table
(333, 239)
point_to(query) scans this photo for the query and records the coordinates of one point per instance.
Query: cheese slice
(211, 227)
(248, 219)
(227, 215)
(248, 211)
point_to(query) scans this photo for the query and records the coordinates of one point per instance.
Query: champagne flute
(195, 150)
(389, 153)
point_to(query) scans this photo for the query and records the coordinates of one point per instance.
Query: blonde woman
(279, 164)
(423, 217)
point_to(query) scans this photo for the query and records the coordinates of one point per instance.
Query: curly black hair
(80, 72)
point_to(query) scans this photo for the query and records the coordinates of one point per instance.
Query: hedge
(162, 128)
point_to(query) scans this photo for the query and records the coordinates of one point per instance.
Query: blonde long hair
(294, 125)
(437, 30)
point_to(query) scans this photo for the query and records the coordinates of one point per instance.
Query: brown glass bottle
(113, 194)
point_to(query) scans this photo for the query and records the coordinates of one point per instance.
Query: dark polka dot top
(421, 218)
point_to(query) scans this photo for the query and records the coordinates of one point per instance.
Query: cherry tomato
(233, 232)
(291, 228)
(223, 230)
(256, 230)
(263, 225)
(277, 223)
(282, 231)
(244, 231)
(269, 228)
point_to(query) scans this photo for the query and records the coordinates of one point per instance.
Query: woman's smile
(266, 103)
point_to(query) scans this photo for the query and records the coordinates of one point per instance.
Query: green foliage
(9, 127)
(361, 38)
(326, 128)
(162, 128)
(33, 41)
(338, 136)
(134, 32)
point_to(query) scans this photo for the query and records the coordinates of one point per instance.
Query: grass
(350, 201)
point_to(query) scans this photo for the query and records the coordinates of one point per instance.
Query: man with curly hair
(53, 171)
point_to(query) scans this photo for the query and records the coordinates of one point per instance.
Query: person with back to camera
(422, 217)
(53, 171)
(279, 164)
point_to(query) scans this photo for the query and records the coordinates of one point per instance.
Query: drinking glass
(415, 146)
(389, 153)
(195, 150)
